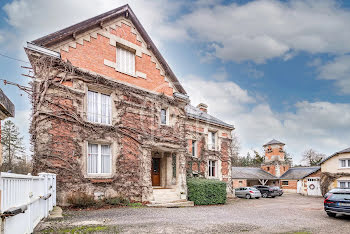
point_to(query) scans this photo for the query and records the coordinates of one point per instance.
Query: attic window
(125, 61)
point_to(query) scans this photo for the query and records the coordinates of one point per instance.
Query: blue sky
(274, 69)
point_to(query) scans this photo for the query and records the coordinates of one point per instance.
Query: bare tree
(312, 157)
(235, 147)
(12, 144)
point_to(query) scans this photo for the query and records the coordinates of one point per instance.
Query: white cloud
(339, 71)
(319, 125)
(264, 29)
(35, 18)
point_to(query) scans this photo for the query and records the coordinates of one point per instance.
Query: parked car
(266, 191)
(247, 192)
(337, 202)
(334, 190)
(278, 190)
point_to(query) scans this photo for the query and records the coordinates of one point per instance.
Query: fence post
(45, 191)
(54, 189)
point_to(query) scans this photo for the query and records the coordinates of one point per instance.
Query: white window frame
(346, 161)
(166, 116)
(347, 182)
(99, 108)
(211, 137)
(210, 165)
(99, 160)
(126, 67)
(194, 148)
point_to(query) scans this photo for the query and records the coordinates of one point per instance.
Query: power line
(19, 60)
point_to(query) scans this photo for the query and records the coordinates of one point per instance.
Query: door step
(179, 203)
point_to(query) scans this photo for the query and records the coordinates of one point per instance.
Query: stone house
(110, 118)
(335, 171)
(276, 171)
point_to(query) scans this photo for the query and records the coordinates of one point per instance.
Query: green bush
(206, 192)
(81, 200)
(117, 201)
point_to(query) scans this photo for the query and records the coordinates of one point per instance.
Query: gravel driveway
(291, 213)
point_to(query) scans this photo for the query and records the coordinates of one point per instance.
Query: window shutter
(125, 61)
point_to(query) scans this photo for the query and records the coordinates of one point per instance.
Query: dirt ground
(291, 213)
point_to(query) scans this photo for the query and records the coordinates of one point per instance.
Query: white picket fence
(25, 200)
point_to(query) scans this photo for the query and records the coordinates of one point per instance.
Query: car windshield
(254, 189)
(340, 196)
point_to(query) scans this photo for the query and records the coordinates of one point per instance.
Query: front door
(155, 171)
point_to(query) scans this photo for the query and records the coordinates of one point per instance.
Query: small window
(212, 168)
(284, 182)
(99, 159)
(268, 168)
(194, 148)
(99, 108)
(164, 116)
(125, 61)
(344, 163)
(344, 184)
(211, 140)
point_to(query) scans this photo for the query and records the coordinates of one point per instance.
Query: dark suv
(266, 191)
(337, 201)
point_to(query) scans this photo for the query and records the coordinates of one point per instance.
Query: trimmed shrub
(117, 201)
(206, 192)
(81, 200)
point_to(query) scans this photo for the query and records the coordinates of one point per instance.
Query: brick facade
(135, 132)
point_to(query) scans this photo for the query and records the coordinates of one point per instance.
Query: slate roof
(347, 150)
(201, 115)
(100, 20)
(251, 173)
(297, 173)
(273, 142)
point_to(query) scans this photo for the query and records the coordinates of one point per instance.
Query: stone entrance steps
(167, 197)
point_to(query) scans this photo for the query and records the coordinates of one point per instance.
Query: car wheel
(331, 214)
(264, 195)
(248, 196)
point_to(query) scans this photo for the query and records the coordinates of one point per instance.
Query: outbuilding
(303, 180)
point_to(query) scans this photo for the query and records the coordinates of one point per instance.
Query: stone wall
(60, 133)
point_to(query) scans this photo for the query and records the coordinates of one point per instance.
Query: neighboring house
(304, 180)
(7, 109)
(276, 171)
(111, 118)
(335, 170)
(249, 176)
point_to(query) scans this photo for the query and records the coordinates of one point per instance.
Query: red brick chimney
(203, 107)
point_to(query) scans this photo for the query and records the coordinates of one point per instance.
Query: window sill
(97, 123)
(125, 73)
(99, 176)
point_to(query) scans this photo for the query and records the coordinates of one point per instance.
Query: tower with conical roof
(275, 158)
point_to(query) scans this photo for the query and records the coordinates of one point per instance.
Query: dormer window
(125, 61)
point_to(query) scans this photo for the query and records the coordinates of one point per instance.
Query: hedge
(206, 192)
